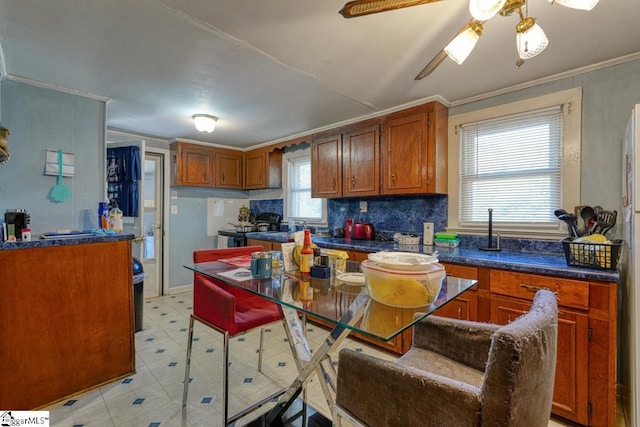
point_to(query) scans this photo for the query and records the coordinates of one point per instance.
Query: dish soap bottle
(115, 218)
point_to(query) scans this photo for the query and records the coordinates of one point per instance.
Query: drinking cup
(276, 262)
(261, 265)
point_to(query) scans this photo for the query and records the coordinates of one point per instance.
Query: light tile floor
(152, 397)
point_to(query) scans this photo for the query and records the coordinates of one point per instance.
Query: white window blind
(299, 202)
(514, 166)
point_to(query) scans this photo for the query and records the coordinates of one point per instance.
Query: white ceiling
(272, 69)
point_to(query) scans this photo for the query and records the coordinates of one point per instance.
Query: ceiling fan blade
(437, 60)
(432, 65)
(357, 8)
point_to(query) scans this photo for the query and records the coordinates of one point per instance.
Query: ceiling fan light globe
(461, 46)
(483, 10)
(577, 4)
(204, 122)
(531, 42)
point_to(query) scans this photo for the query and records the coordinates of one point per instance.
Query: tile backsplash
(387, 214)
(390, 215)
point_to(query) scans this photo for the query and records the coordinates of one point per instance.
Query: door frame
(164, 213)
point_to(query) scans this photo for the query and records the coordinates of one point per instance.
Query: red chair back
(224, 306)
(206, 255)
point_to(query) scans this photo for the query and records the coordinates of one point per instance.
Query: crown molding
(554, 77)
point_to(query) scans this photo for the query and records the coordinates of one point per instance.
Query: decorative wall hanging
(68, 161)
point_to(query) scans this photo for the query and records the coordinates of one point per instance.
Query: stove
(237, 238)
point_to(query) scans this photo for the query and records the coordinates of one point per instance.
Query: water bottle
(103, 215)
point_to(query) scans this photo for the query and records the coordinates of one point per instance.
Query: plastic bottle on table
(115, 219)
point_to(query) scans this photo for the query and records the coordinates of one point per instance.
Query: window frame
(287, 159)
(571, 102)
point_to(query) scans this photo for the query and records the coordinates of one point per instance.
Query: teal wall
(39, 119)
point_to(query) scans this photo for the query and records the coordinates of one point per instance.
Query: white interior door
(153, 220)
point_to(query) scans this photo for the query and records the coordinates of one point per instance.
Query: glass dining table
(347, 306)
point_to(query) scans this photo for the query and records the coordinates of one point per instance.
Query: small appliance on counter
(362, 231)
(15, 220)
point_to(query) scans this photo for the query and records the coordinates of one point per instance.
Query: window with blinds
(298, 201)
(513, 165)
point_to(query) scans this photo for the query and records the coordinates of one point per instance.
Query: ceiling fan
(530, 38)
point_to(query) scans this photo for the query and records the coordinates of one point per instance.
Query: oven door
(234, 239)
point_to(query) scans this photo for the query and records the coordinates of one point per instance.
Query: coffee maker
(19, 218)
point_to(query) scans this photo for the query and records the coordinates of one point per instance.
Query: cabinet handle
(393, 178)
(333, 183)
(353, 182)
(259, 177)
(222, 176)
(533, 288)
(459, 311)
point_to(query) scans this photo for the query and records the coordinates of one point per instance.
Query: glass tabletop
(331, 299)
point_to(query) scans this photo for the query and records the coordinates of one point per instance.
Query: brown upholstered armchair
(457, 373)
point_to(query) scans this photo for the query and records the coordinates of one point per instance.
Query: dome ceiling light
(205, 123)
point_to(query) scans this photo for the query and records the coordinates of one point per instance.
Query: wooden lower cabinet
(464, 307)
(266, 244)
(67, 324)
(570, 397)
(585, 387)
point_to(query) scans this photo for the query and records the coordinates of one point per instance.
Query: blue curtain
(123, 174)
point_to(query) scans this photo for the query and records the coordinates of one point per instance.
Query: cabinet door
(228, 170)
(262, 169)
(194, 166)
(361, 162)
(255, 165)
(404, 155)
(570, 393)
(465, 306)
(326, 166)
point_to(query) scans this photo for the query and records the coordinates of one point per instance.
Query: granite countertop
(64, 241)
(548, 263)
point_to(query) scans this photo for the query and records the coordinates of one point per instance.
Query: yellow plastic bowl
(401, 288)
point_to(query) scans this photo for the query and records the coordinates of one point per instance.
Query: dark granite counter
(549, 263)
(64, 241)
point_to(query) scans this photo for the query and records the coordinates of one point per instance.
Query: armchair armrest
(378, 392)
(464, 341)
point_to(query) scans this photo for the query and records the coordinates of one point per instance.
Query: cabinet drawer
(570, 293)
(462, 271)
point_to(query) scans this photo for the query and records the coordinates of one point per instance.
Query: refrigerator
(629, 299)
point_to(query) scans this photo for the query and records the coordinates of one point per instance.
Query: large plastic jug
(115, 219)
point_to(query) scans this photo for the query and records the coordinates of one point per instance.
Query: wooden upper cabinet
(193, 166)
(361, 162)
(202, 166)
(228, 169)
(326, 166)
(262, 169)
(414, 151)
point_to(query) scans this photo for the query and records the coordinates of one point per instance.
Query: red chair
(228, 310)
